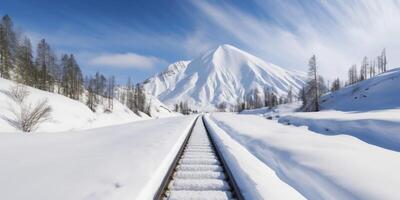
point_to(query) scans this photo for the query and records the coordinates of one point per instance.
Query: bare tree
(336, 85)
(364, 68)
(18, 93)
(384, 60)
(30, 115)
(353, 76)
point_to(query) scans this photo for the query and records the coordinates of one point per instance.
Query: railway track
(199, 171)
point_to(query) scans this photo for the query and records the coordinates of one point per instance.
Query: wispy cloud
(126, 60)
(287, 33)
(284, 32)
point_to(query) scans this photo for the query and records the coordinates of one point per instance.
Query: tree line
(44, 70)
(315, 86)
(368, 69)
(60, 74)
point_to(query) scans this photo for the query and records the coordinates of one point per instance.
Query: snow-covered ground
(380, 127)
(116, 162)
(255, 179)
(368, 110)
(69, 114)
(316, 166)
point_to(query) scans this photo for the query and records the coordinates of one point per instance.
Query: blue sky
(140, 38)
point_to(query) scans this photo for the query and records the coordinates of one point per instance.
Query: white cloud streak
(126, 60)
(340, 33)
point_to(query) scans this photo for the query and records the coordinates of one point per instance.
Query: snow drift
(223, 75)
(380, 127)
(317, 166)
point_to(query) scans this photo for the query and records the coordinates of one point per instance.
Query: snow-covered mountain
(225, 74)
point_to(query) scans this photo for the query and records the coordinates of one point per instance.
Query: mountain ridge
(225, 74)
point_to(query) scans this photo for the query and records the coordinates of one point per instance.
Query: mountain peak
(225, 74)
(226, 47)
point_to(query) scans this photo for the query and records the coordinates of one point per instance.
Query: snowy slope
(225, 74)
(70, 114)
(317, 166)
(121, 162)
(166, 79)
(368, 110)
(380, 92)
(157, 108)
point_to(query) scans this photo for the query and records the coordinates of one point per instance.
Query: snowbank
(116, 162)
(254, 178)
(317, 166)
(380, 128)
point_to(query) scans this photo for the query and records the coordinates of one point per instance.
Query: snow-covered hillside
(380, 92)
(368, 110)
(69, 114)
(223, 75)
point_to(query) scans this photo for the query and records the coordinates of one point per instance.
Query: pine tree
(8, 46)
(131, 102)
(273, 101)
(42, 64)
(312, 91)
(25, 68)
(110, 92)
(72, 78)
(65, 83)
(383, 60)
(336, 85)
(267, 96)
(363, 69)
(353, 76)
(372, 71)
(290, 95)
(91, 101)
(77, 78)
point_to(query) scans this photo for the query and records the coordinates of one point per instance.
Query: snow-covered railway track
(199, 172)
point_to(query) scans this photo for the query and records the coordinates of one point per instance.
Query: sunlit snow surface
(317, 166)
(122, 162)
